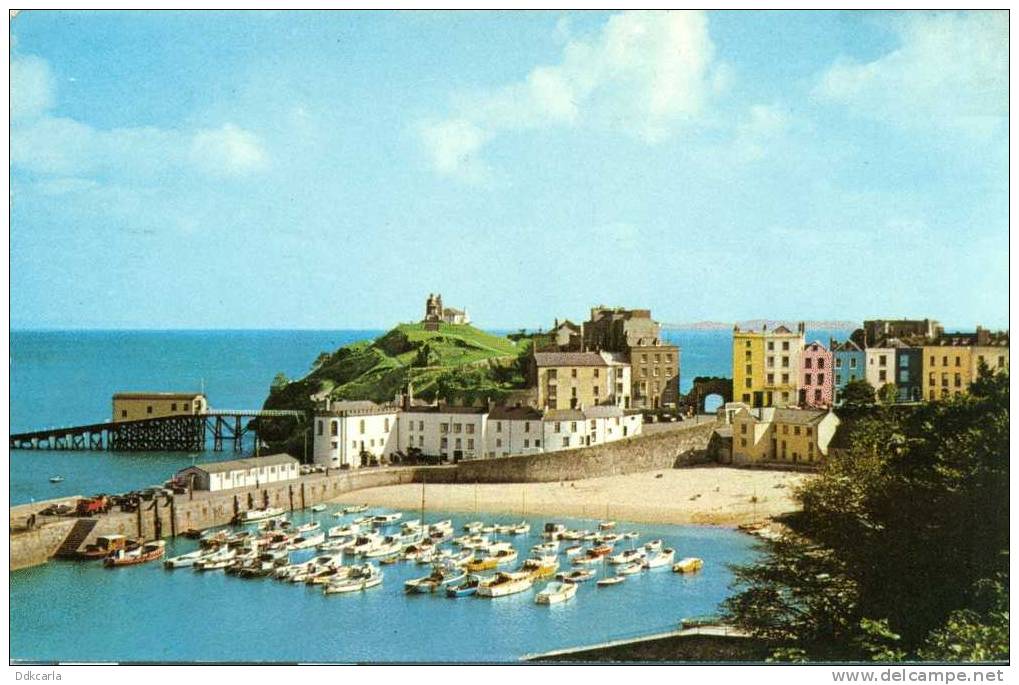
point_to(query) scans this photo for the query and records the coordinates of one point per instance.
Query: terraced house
(781, 435)
(766, 366)
(575, 380)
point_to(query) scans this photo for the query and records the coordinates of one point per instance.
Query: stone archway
(703, 386)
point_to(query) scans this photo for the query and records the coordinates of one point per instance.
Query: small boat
(688, 565)
(500, 557)
(473, 526)
(472, 541)
(505, 583)
(441, 576)
(464, 589)
(391, 559)
(606, 525)
(307, 527)
(184, 560)
(386, 519)
(410, 526)
(361, 578)
(56, 479)
(573, 551)
(630, 569)
(522, 528)
(150, 551)
(307, 541)
(553, 531)
(653, 546)
(364, 543)
(254, 515)
(593, 555)
(611, 580)
(609, 539)
(550, 547)
(362, 521)
(556, 592)
(215, 560)
(632, 535)
(578, 575)
(343, 531)
(338, 545)
(355, 509)
(663, 558)
(106, 545)
(318, 507)
(192, 533)
(626, 556)
(387, 546)
(540, 567)
(575, 534)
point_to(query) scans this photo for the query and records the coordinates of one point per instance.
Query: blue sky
(329, 170)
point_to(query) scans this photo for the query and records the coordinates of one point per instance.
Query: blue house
(850, 365)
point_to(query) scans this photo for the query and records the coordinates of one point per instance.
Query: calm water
(61, 378)
(148, 613)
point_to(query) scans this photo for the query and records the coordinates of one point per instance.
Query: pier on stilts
(180, 433)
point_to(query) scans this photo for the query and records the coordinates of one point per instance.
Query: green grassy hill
(457, 363)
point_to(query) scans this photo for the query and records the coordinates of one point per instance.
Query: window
(596, 389)
(443, 428)
(838, 379)
(903, 376)
(785, 346)
(527, 426)
(742, 442)
(785, 430)
(806, 379)
(771, 379)
(668, 358)
(573, 373)
(820, 363)
(596, 373)
(457, 427)
(796, 430)
(643, 357)
(1001, 361)
(385, 424)
(785, 379)
(527, 443)
(932, 360)
(537, 443)
(748, 345)
(958, 361)
(838, 362)
(470, 429)
(594, 425)
(882, 375)
(749, 384)
(808, 363)
(747, 355)
(573, 426)
(785, 362)
(658, 358)
(421, 441)
(944, 361)
(334, 428)
(958, 380)
(817, 396)
(743, 428)
(470, 443)
(444, 443)
(944, 380)
(882, 360)
(852, 362)
(750, 368)
(362, 426)
(173, 406)
(421, 425)
(770, 362)
(771, 345)
(566, 441)
(656, 372)
(498, 426)
(148, 409)
(904, 362)
(335, 444)
(498, 442)
(551, 374)
(185, 406)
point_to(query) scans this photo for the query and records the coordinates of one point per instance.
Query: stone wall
(664, 450)
(37, 545)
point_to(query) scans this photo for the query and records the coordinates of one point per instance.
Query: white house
(450, 431)
(880, 366)
(240, 473)
(351, 433)
(514, 430)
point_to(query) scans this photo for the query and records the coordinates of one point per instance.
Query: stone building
(816, 376)
(654, 365)
(575, 380)
(435, 313)
(240, 473)
(353, 433)
(877, 330)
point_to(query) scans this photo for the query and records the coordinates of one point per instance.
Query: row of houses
(779, 368)
(350, 434)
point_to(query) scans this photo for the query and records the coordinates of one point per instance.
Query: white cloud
(949, 71)
(32, 88)
(229, 151)
(63, 147)
(643, 74)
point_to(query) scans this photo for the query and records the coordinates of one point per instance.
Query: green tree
(279, 382)
(888, 394)
(905, 530)
(857, 394)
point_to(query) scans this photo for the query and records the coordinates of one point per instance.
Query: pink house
(816, 375)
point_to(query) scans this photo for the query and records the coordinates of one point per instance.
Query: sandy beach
(700, 495)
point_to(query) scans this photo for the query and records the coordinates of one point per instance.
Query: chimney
(801, 327)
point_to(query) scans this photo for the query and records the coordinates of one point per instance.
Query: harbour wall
(680, 446)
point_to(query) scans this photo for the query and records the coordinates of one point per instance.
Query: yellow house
(132, 406)
(782, 435)
(947, 370)
(765, 366)
(994, 356)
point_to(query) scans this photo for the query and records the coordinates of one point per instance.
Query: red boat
(150, 551)
(599, 551)
(105, 545)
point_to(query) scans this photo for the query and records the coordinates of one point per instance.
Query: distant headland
(757, 324)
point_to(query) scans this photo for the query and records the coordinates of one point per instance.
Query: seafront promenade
(682, 444)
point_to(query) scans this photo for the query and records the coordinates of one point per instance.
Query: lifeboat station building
(133, 406)
(240, 473)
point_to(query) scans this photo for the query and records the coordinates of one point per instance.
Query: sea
(70, 611)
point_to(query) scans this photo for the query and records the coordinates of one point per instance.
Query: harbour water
(81, 611)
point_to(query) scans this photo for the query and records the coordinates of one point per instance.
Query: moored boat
(307, 541)
(606, 525)
(688, 565)
(184, 560)
(150, 551)
(505, 583)
(578, 575)
(441, 576)
(386, 519)
(308, 527)
(343, 531)
(611, 580)
(556, 592)
(499, 557)
(253, 515)
(663, 558)
(106, 545)
(355, 509)
(573, 551)
(473, 526)
(522, 528)
(360, 578)
(630, 569)
(56, 479)
(653, 546)
(553, 531)
(626, 556)
(540, 567)
(465, 589)
(318, 507)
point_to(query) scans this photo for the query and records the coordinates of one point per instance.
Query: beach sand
(700, 495)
